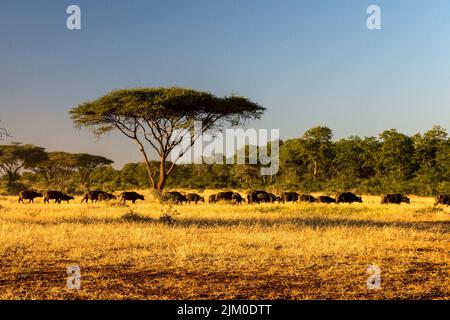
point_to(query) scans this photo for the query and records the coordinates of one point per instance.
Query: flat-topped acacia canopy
(154, 115)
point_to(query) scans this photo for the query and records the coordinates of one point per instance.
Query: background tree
(349, 162)
(354, 160)
(318, 148)
(427, 147)
(151, 117)
(57, 169)
(16, 157)
(396, 155)
(133, 175)
(3, 132)
(443, 165)
(107, 178)
(85, 164)
(293, 162)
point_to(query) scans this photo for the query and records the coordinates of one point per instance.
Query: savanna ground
(224, 251)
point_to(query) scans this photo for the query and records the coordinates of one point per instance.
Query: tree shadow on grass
(315, 222)
(311, 222)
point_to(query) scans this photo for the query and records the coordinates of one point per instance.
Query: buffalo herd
(253, 197)
(93, 196)
(48, 195)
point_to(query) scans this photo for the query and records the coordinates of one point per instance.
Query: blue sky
(309, 62)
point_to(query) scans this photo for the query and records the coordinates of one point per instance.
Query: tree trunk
(162, 176)
(10, 178)
(315, 170)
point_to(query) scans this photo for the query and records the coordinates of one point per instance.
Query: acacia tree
(60, 167)
(85, 164)
(56, 169)
(156, 118)
(16, 157)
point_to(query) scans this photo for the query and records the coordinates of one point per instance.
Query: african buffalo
(307, 198)
(106, 196)
(396, 198)
(256, 196)
(347, 197)
(130, 196)
(326, 199)
(212, 198)
(92, 195)
(237, 198)
(28, 195)
(442, 199)
(225, 195)
(174, 197)
(289, 196)
(194, 198)
(267, 197)
(58, 196)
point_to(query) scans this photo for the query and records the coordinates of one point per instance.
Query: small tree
(151, 117)
(3, 132)
(56, 169)
(85, 164)
(396, 156)
(16, 157)
(318, 146)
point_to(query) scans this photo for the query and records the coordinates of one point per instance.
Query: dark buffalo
(256, 196)
(326, 199)
(236, 197)
(307, 198)
(272, 198)
(225, 195)
(66, 197)
(262, 197)
(347, 197)
(174, 197)
(130, 196)
(442, 199)
(92, 195)
(106, 196)
(289, 196)
(396, 198)
(267, 197)
(58, 196)
(212, 198)
(28, 195)
(193, 197)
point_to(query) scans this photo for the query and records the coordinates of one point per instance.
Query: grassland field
(224, 251)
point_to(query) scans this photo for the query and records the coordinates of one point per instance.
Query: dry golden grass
(224, 251)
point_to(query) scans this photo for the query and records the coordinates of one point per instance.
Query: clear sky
(309, 62)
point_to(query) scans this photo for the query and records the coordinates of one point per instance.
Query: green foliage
(16, 157)
(393, 163)
(396, 156)
(56, 170)
(153, 117)
(85, 164)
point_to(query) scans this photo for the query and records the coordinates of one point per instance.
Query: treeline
(390, 163)
(31, 167)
